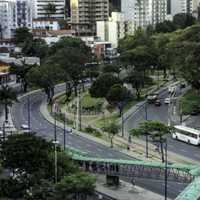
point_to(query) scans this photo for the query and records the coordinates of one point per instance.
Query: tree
(111, 69)
(117, 95)
(36, 47)
(75, 186)
(21, 35)
(50, 9)
(43, 191)
(26, 153)
(183, 54)
(21, 72)
(156, 130)
(112, 129)
(137, 80)
(101, 86)
(51, 75)
(165, 27)
(7, 97)
(160, 46)
(70, 55)
(183, 20)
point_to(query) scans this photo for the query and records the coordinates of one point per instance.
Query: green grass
(91, 103)
(190, 101)
(103, 121)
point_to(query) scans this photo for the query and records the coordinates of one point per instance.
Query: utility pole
(29, 114)
(78, 114)
(64, 139)
(122, 121)
(78, 110)
(55, 161)
(166, 170)
(146, 115)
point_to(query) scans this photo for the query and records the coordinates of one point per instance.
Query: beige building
(85, 14)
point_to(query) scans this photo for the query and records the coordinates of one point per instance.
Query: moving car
(167, 100)
(151, 98)
(25, 128)
(157, 103)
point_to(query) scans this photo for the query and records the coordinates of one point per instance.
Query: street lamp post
(55, 161)
(55, 127)
(64, 139)
(29, 114)
(166, 170)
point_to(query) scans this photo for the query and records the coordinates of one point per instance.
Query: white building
(150, 12)
(113, 29)
(46, 24)
(40, 12)
(128, 9)
(14, 14)
(7, 19)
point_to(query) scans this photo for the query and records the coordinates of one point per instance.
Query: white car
(25, 128)
(167, 100)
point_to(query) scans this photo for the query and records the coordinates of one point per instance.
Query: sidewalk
(137, 147)
(126, 191)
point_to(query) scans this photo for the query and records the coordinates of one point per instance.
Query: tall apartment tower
(85, 14)
(8, 19)
(150, 12)
(14, 14)
(24, 13)
(40, 12)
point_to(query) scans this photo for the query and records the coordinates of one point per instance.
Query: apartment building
(39, 9)
(14, 14)
(85, 14)
(150, 12)
(114, 29)
(8, 19)
(24, 13)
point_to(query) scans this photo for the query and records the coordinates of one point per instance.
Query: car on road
(196, 111)
(25, 128)
(158, 102)
(167, 100)
(151, 98)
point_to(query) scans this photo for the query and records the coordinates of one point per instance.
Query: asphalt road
(160, 113)
(45, 129)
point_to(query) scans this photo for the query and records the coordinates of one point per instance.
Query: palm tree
(7, 97)
(50, 9)
(154, 129)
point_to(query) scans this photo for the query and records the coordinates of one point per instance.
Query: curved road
(46, 130)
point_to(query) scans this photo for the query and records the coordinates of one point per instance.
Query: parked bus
(186, 134)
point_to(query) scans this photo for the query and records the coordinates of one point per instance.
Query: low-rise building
(46, 24)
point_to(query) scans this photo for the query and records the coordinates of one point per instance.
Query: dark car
(196, 111)
(157, 103)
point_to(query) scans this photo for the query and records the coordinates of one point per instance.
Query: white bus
(186, 134)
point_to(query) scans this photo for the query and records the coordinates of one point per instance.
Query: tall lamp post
(56, 143)
(166, 169)
(29, 113)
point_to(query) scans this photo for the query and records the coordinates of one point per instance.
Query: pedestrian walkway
(125, 191)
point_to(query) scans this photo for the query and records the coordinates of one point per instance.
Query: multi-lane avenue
(45, 129)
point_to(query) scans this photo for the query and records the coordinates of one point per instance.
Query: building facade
(39, 9)
(114, 29)
(8, 19)
(24, 13)
(14, 14)
(150, 12)
(85, 13)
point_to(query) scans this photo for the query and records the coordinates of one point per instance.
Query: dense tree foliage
(101, 86)
(31, 159)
